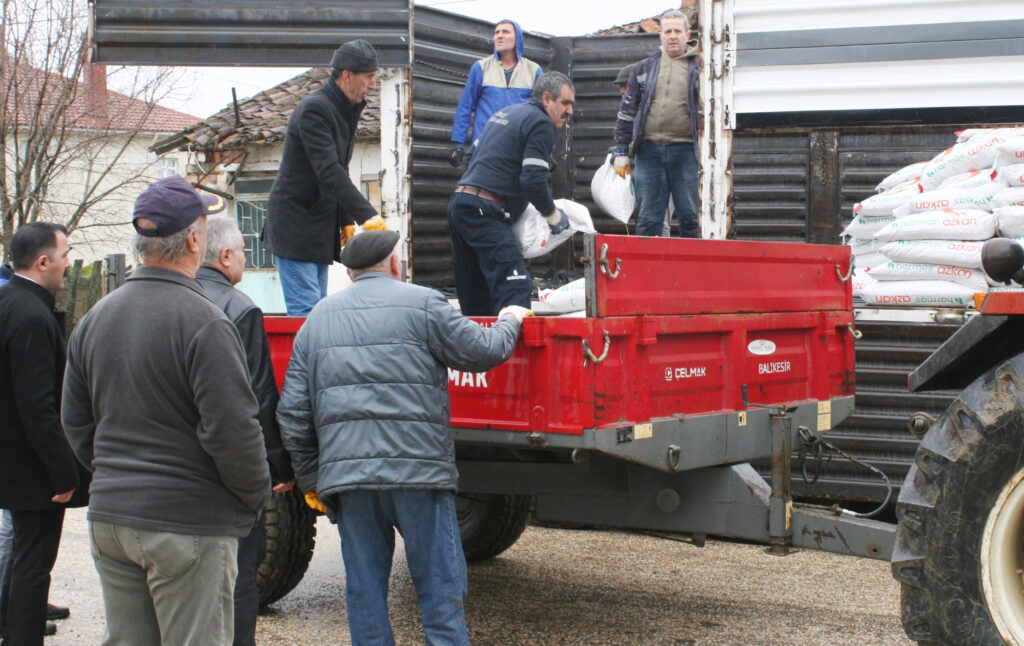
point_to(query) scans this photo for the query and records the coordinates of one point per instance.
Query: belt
(479, 192)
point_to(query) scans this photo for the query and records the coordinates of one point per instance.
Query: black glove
(456, 157)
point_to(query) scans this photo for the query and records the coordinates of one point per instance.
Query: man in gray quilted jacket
(364, 414)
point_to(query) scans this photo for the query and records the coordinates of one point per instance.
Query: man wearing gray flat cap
(364, 417)
(314, 205)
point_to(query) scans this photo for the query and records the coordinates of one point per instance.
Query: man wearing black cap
(376, 443)
(313, 205)
(157, 403)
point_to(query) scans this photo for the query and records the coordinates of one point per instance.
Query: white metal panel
(787, 15)
(716, 128)
(396, 148)
(992, 81)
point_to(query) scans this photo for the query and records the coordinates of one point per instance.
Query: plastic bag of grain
(864, 227)
(570, 297)
(534, 234)
(860, 280)
(959, 253)
(884, 203)
(973, 179)
(911, 173)
(1010, 221)
(869, 260)
(863, 246)
(976, 153)
(964, 135)
(1013, 196)
(954, 199)
(973, 278)
(612, 193)
(965, 224)
(924, 293)
(1013, 174)
(1010, 151)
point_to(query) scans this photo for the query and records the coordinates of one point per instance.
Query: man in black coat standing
(38, 471)
(313, 205)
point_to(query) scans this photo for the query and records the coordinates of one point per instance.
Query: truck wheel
(959, 549)
(291, 535)
(490, 524)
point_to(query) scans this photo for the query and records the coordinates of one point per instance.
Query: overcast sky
(206, 90)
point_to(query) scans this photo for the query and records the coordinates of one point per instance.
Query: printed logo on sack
(955, 271)
(761, 347)
(932, 206)
(515, 275)
(988, 144)
(894, 299)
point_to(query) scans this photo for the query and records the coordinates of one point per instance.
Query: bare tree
(71, 147)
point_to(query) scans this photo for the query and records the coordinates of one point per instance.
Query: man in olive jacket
(364, 414)
(157, 403)
(38, 471)
(313, 204)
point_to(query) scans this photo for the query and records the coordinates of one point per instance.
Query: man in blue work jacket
(508, 170)
(494, 82)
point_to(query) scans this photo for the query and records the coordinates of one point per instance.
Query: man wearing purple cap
(313, 204)
(157, 403)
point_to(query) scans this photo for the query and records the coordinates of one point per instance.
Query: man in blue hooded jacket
(495, 82)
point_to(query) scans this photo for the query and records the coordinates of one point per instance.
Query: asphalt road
(574, 587)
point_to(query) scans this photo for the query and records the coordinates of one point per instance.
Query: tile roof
(264, 118)
(34, 91)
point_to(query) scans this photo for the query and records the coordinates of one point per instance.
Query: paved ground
(575, 587)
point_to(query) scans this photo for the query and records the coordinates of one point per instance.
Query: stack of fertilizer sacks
(918, 241)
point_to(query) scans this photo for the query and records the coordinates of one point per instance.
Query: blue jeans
(6, 550)
(433, 549)
(303, 284)
(660, 170)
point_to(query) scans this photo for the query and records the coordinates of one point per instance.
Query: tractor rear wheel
(959, 549)
(291, 535)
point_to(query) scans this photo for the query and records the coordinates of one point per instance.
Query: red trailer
(694, 358)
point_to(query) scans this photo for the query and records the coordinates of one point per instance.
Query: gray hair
(552, 83)
(675, 13)
(222, 233)
(171, 248)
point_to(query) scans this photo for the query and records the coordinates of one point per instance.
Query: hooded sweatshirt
(488, 91)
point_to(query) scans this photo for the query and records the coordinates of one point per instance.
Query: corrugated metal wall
(246, 32)
(770, 172)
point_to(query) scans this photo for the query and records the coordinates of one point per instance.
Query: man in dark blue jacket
(313, 200)
(494, 82)
(659, 118)
(507, 171)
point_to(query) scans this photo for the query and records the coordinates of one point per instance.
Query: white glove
(517, 311)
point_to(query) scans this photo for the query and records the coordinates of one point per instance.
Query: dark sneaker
(57, 612)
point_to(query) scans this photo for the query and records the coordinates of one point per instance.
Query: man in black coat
(221, 270)
(313, 205)
(38, 471)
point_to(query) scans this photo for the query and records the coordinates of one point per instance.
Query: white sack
(910, 293)
(964, 135)
(860, 280)
(864, 227)
(959, 253)
(951, 199)
(910, 173)
(1010, 221)
(862, 246)
(1013, 174)
(973, 278)
(615, 195)
(1010, 151)
(534, 234)
(869, 260)
(973, 179)
(884, 203)
(1013, 196)
(967, 224)
(570, 297)
(976, 153)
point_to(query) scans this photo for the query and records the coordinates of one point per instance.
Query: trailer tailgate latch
(588, 354)
(674, 451)
(602, 263)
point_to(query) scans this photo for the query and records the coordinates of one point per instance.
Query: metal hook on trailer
(849, 272)
(588, 354)
(673, 456)
(857, 334)
(602, 263)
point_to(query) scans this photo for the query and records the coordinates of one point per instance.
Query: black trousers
(251, 550)
(36, 539)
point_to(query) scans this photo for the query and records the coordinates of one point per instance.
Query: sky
(202, 91)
